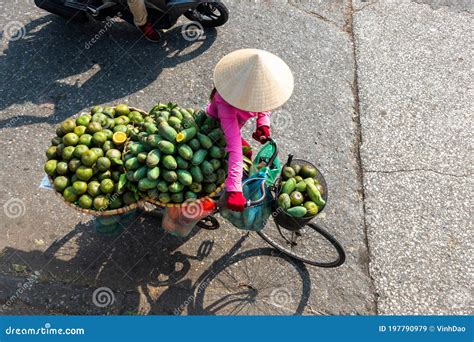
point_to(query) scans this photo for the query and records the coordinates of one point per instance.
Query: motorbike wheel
(57, 7)
(209, 14)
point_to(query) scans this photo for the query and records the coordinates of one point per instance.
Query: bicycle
(293, 234)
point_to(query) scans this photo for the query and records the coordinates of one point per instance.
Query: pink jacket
(232, 119)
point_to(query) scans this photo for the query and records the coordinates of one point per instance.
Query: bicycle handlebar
(263, 189)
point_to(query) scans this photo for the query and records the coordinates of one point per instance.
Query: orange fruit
(119, 138)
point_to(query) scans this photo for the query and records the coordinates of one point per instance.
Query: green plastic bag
(263, 174)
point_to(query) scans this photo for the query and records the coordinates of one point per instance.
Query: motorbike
(163, 14)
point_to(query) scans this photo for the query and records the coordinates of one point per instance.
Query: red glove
(236, 201)
(262, 134)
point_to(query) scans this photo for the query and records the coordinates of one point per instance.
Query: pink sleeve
(263, 119)
(212, 109)
(230, 126)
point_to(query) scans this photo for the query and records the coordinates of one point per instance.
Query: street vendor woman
(248, 83)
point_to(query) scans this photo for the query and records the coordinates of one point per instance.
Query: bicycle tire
(331, 239)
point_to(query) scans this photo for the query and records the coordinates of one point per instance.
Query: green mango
(315, 195)
(284, 201)
(198, 157)
(184, 177)
(169, 162)
(185, 152)
(153, 173)
(297, 211)
(166, 147)
(289, 186)
(153, 158)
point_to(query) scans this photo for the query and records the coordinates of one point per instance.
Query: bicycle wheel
(256, 282)
(306, 244)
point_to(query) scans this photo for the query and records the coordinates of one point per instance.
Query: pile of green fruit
(85, 159)
(179, 156)
(301, 194)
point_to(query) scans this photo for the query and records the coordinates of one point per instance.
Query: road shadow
(65, 68)
(145, 263)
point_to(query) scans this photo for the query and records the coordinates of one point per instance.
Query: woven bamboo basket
(103, 213)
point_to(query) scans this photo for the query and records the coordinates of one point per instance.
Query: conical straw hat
(253, 80)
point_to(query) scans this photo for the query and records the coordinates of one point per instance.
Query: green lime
(59, 131)
(109, 111)
(61, 168)
(69, 194)
(60, 183)
(68, 152)
(73, 165)
(122, 109)
(98, 151)
(60, 149)
(129, 198)
(70, 139)
(116, 203)
(113, 153)
(108, 133)
(84, 173)
(108, 145)
(85, 139)
(122, 120)
(100, 202)
(73, 178)
(103, 164)
(68, 126)
(116, 175)
(104, 175)
(121, 128)
(89, 158)
(80, 187)
(85, 201)
(83, 120)
(107, 186)
(135, 117)
(56, 141)
(97, 109)
(99, 117)
(99, 138)
(93, 188)
(79, 150)
(110, 123)
(50, 167)
(94, 127)
(52, 152)
(80, 130)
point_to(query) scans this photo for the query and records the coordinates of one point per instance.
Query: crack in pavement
(419, 170)
(316, 15)
(358, 142)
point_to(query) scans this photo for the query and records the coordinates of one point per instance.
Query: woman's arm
(263, 119)
(230, 126)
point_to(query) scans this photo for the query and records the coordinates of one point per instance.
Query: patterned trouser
(138, 9)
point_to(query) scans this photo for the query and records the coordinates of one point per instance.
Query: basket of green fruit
(301, 194)
(178, 157)
(85, 163)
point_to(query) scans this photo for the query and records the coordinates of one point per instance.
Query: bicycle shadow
(230, 287)
(145, 263)
(59, 68)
